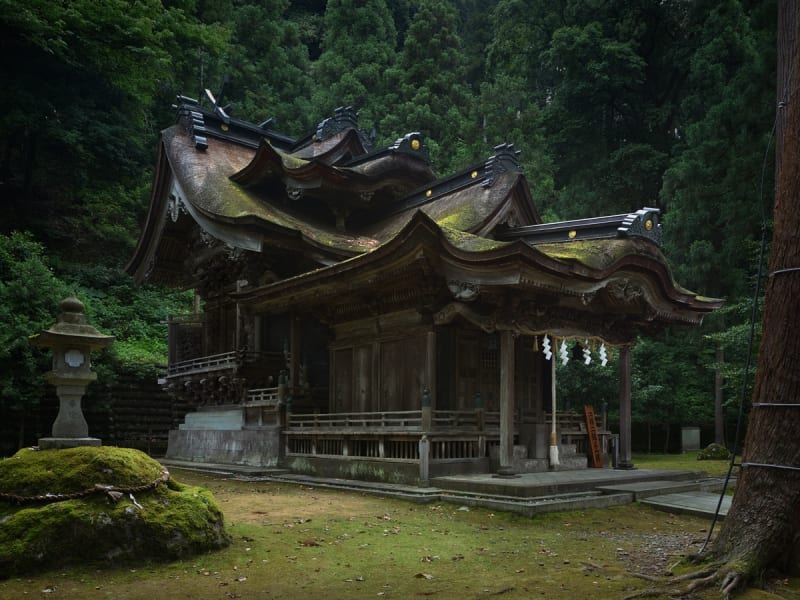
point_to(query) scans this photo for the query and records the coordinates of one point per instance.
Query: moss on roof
(467, 241)
(464, 217)
(596, 254)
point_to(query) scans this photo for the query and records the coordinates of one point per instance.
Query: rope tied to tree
(114, 493)
(784, 271)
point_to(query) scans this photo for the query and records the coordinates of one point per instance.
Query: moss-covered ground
(292, 541)
(157, 522)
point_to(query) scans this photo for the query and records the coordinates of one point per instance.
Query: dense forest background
(614, 104)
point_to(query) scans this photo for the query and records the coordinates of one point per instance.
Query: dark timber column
(294, 353)
(625, 461)
(506, 402)
(430, 366)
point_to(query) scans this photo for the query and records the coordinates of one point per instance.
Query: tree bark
(762, 529)
(719, 412)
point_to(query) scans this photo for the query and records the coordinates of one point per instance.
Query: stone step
(700, 504)
(539, 504)
(522, 506)
(647, 489)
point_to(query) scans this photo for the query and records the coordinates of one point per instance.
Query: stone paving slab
(555, 482)
(219, 468)
(701, 504)
(647, 489)
(525, 494)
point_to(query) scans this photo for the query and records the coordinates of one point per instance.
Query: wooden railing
(396, 446)
(225, 360)
(262, 396)
(456, 419)
(403, 420)
(409, 420)
(425, 436)
(215, 362)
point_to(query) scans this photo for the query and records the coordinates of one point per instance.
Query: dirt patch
(658, 553)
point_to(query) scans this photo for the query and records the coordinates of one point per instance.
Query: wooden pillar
(506, 402)
(238, 335)
(625, 461)
(294, 353)
(424, 460)
(430, 367)
(426, 423)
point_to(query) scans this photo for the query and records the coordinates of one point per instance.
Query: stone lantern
(71, 340)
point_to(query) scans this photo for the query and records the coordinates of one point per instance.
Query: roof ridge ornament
(193, 121)
(643, 223)
(220, 111)
(504, 159)
(344, 117)
(413, 145)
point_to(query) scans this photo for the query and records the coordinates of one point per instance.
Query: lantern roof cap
(72, 328)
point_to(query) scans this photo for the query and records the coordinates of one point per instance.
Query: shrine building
(357, 316)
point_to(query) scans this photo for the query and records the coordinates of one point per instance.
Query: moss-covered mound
(714, 452)
(112, 505)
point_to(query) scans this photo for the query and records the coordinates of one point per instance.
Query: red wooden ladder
(594, 439)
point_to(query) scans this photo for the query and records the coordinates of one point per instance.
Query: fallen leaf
(308, 543)
(423, 576)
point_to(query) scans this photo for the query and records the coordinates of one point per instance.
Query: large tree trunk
(762, 529)
(719, 410)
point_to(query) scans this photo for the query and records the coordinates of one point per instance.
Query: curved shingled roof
(253, 190)
(621, 286)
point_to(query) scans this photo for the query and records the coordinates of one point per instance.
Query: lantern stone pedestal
(70, 428)
(71, 339)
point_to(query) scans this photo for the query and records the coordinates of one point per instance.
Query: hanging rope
(113, 492)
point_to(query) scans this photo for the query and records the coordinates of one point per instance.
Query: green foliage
(134, 314)
(428, 92)
(76, 131)
(732, 337)
(712, 190)
(29, 298)
(580, 384)
(671, 382)
(269, 67)
(358, 46)
(511, 115)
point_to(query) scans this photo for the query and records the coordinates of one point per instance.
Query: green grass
(687, 461)
(293, 541)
